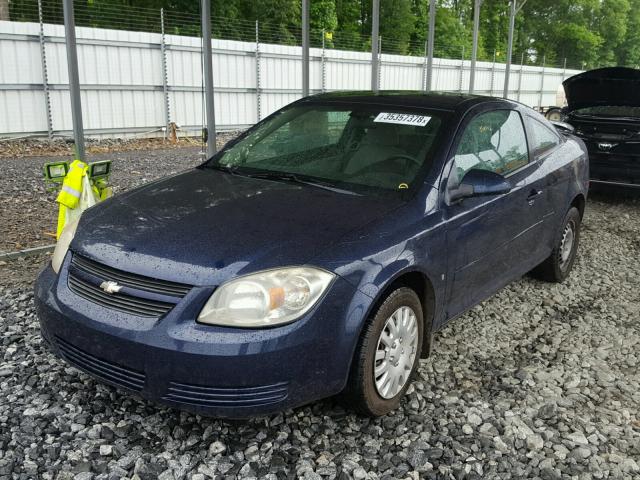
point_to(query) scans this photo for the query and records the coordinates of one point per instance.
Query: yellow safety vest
(69, 195)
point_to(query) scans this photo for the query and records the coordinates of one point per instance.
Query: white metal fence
(125, 89)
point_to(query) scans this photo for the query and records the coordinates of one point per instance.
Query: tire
(362, 392)
(557, 267)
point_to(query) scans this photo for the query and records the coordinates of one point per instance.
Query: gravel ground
(23, 191)
(540, 381)
(32, 147)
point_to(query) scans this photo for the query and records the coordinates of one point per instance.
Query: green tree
(279, 19)
(587, 33)
(323, 16)
(555, 30)
(494, 29)
(397, 24)
(453, 30)
(612, 19)
(349, 30)
(629, 50)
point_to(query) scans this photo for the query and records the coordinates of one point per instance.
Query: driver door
(491, 239)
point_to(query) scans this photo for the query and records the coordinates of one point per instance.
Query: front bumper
(209, 370)
(619, 169)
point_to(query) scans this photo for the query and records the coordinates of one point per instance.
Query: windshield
(609, 111)
(360, 149)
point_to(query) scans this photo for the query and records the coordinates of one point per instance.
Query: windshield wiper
(291, 177)
(223, 168)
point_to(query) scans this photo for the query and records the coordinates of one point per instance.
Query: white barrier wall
(122, 90)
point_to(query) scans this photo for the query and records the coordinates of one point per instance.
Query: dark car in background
(316, 254)
(603, 106)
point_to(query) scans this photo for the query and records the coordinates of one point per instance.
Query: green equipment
(55, 172)
(100, 170)
(99, 173)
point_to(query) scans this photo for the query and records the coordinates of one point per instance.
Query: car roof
(450, 101)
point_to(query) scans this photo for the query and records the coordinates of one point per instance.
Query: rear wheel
(556, 268)
(387, 355)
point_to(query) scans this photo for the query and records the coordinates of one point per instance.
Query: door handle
(533, 194)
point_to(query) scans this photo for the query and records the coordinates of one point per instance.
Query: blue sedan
(317, 254)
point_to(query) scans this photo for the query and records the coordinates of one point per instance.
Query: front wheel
(387, 355)
(556, 268)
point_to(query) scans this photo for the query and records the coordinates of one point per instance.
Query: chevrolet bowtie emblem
(110, 287)
(606, 146)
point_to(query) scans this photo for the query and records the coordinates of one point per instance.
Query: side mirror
(477, 182)
(563, 126)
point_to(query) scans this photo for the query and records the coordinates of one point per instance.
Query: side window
(492, 141)
(543, 138)
(313, 129)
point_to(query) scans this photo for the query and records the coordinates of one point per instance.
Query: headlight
(265, 299)
(62, 247)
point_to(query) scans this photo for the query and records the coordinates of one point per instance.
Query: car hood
(614, 86)
(203, 226)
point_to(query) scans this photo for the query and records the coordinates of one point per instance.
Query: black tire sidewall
(373, 403)
(573, 215)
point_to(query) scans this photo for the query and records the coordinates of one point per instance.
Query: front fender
(373, 262)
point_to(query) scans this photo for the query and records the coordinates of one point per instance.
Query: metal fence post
(432, 27)
(507, 68)
(461, 71)
(544, 62)
(520, 76)
(375, 30)
(305, 48)
(74, 78)
(424, 67)
(45, 75)
(165, 76)
(564, 69)
(258, 91)
(474, 51)
(513, 11)
(323, 72)
(493, 72)
(379, 62)
(208, 76)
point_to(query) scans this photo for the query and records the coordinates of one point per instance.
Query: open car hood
(614, 86)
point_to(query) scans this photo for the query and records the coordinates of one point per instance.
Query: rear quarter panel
(567, 171)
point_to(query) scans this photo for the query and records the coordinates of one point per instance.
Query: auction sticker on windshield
(403, 119)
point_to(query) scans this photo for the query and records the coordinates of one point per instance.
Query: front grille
(203, 396)
(123, 302)
(130, 279)
(118, 301)
(102, 369)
